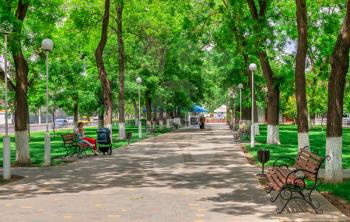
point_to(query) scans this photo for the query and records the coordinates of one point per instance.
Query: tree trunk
(272, 101)
(39, 115)
(300, 85)
(149, 112)
(105, 83)
(227, 111)
(76, 111)
(136, 112)
(21, 104)
(336, 86)
(101, 119)
(272, 88)
(53, 122)
(155, 117)
(121, 69)
(28, 125)
(161, 118)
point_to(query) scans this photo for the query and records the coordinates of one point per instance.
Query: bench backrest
(69, 138)
(308, 161)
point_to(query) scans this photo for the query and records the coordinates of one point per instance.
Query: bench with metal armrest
(70, 143)
(299, 182)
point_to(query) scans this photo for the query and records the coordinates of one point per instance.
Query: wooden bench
(239, 134)
(299, 182)
(70, 143)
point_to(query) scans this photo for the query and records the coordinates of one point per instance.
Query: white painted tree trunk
(122, 131)
(168, 123)
(39, 115)
(47, 155)
(7, 158)
(22, 147)
(334, 169)
(136, 122)
(149, 124)
(303, 140)
(161, 124)
(109, 126)
(273, 135)
(257, 128)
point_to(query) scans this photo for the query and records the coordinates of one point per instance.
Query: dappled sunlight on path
(187, 175)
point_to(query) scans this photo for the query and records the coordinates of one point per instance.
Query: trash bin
(263, 157)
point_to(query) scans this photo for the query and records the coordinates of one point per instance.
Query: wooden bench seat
(298, 182)
(70, 143)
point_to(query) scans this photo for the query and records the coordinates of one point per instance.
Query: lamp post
(252, 68)
(139, 82)
(240, 87)
(47, 46)
(6, 140)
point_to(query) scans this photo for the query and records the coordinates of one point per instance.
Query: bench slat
(307, 158)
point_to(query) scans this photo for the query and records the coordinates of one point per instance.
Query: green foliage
(185, 51)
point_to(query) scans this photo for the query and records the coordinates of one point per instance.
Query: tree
(336, 86)
(300, 86)
(272, 85)
(21, 65)
(121, 59)
(105, 83)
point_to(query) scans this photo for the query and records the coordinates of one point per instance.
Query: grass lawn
(289, 142)
(36, 143)
(288, 147)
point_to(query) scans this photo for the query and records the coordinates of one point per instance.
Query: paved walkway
(185, 176)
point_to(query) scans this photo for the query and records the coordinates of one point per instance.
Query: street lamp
(139, 82)
(240, 87)
(252, 68)
(47, 46)
(6, 140)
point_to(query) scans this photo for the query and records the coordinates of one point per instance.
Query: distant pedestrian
(201, 122)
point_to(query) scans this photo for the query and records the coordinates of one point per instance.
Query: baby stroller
(103, 141)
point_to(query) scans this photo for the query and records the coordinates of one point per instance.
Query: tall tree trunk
(76, 111)
(39, 115)
(105, 83)
(300, 85)
(101, 118)
(227, 110)
(161, 118)
(121, 69)
(154, 117)
(272, 101)
(53, 121)
(136, 112)
(272, 87)
(21, 104)
(336, 86)
(28, 123)
(149, 110)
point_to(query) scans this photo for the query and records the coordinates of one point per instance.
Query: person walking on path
(83, 139)
(202, 122)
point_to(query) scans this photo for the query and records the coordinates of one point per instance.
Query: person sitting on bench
(83, 139)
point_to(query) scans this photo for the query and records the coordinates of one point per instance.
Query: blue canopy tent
(199, 109)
